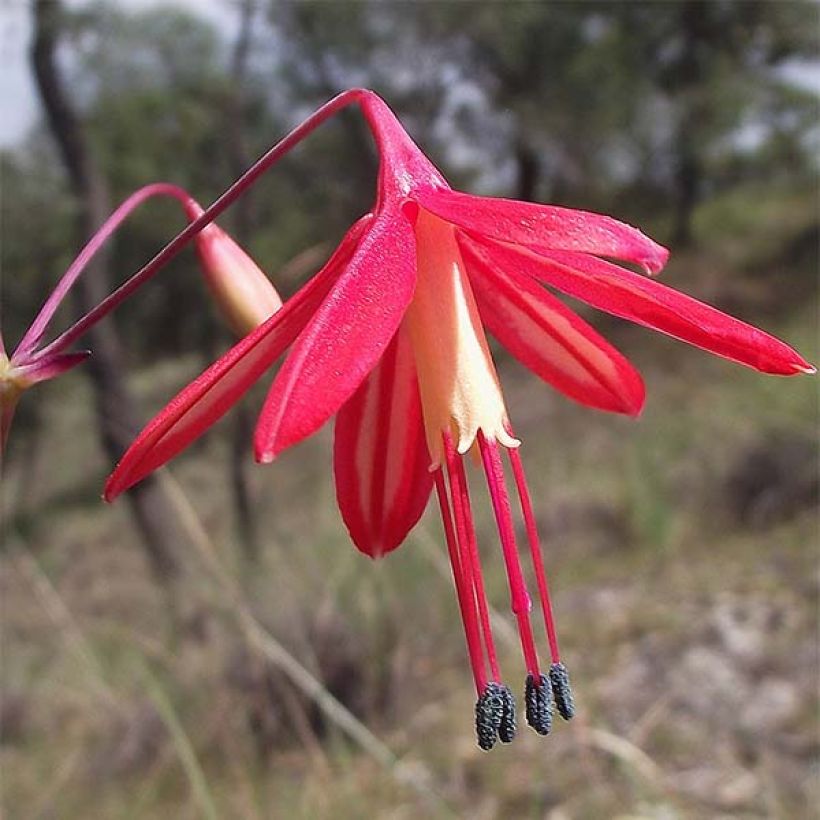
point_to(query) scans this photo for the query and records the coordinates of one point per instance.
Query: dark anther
(559, 678)
(538, 704)
(506, 731)
(489, 714)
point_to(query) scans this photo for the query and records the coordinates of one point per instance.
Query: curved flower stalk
(242, 293)
(389, 336)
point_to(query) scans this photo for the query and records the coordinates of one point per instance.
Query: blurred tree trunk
(114, 406)
(301, 24)
(242, 484)
(696, 40)
(687, 183)
(528, 170)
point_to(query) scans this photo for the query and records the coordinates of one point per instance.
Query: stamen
(538, 704)
(470, 557)
(466, 601)
(559, 676)
(564, 702)
(495, 708)
(535, 551)
(519, 597)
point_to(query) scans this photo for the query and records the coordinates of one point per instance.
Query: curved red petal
(626, 294)
(380, 458)
(344, 340)
(205, 400)
(545, 227)
(552, 340)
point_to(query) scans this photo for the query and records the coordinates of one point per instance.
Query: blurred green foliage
(640, 109)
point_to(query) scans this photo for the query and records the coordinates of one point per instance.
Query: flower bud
(243, 294)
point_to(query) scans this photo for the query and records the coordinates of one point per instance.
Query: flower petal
(344, 340)
(626, 294)
(214, 392)
(544, 227)
(380, 458)
(552, 340)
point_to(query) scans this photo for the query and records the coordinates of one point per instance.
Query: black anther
(564, 703)
(489, 709)
(538, 704)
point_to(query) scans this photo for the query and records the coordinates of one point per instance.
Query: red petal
(380, 458)
(647, 302)
(545, 227)
(344, 340)
(214, 392)
(551, 340)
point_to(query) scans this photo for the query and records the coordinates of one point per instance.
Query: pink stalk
(464, 595)
(192, 229)
(469, 547)
(38, 327)
(535, 551)
(519, 597)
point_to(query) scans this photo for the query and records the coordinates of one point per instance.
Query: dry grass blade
(265, 643)
(182, 744)
(303, 264)
(63, 620)
(628, 753)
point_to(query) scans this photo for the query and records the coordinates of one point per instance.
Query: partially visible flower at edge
(389, 337)
(241, 292)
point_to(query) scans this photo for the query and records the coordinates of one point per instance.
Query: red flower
(389, 337)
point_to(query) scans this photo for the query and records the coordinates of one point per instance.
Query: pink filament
(126, 208)
(520, 600)
(469, 546)
(535, 551)
(466, 602)
(214, 210)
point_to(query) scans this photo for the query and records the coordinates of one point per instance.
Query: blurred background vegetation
(175, 659)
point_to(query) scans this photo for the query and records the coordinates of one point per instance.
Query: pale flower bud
(243, 294)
